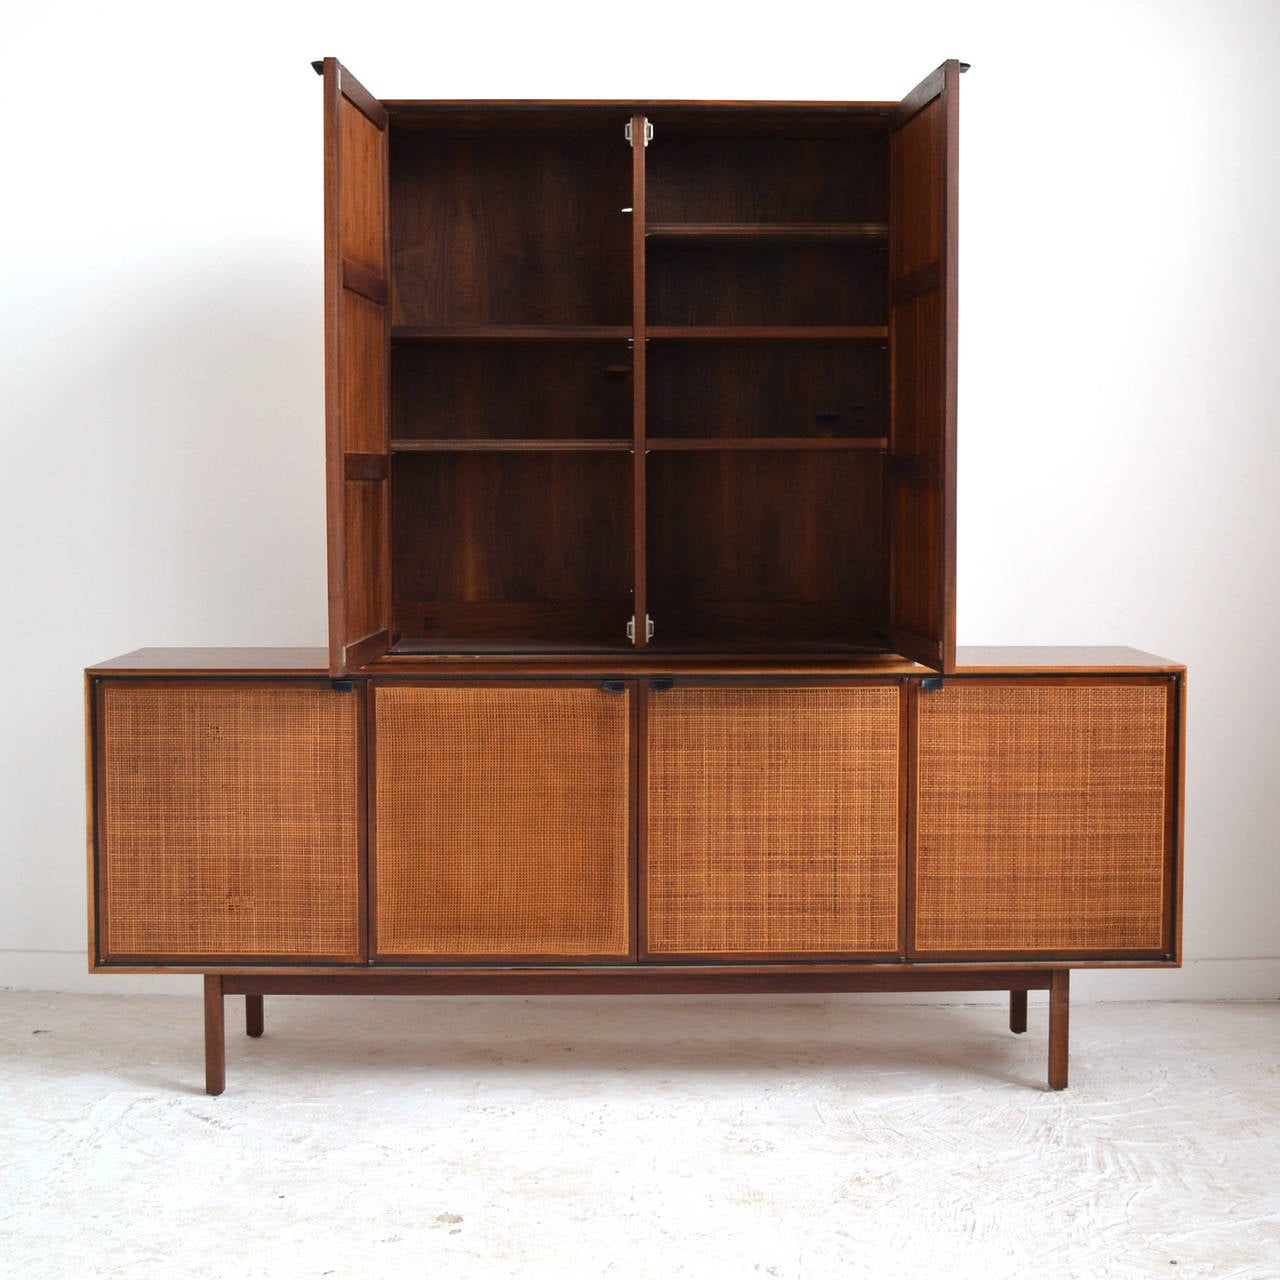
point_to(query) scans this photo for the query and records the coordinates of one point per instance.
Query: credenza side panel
(228, 822)
(1044, 818)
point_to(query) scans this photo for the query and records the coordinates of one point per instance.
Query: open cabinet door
(357, 455)
(923, 155)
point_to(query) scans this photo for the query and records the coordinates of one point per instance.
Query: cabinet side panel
(1041, 818)
(503, 822)
(772, 821)
(356, 364)
(229, 822)
(923, 241)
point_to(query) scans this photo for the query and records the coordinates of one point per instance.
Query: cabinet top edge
(635, 104)
(460, 116)
(313, 662)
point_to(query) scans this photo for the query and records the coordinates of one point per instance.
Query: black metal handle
(342, 686)
(661, 684)
(614, 686)
(931, 683)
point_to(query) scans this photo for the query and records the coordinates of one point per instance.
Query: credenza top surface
(313, 661)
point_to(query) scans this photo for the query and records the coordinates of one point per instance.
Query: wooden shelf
(485, 646)
(511, 333)
(485, 444)
(730, 233)
(768, 442)
(768, 333)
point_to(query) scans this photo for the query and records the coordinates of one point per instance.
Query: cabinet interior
(638, 380)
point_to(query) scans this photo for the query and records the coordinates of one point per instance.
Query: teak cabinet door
(357, 455)
(1045, 818)
(923, 253)
(773, 821)
(228, 822)
(502, 825)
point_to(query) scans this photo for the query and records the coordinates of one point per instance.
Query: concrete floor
(574, 1137)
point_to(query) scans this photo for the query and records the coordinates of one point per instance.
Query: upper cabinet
(617, 378)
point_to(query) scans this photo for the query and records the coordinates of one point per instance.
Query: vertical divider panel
(369, 813)
(639, 343)
(640, 814)
(638, 755)
(906, 780)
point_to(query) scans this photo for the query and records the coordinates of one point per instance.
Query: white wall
(162, 398)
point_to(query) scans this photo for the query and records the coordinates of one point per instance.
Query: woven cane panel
(503, 824)
(229, 821)
(1041, 818)
(773, 820)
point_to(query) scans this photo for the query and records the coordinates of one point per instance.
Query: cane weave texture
(1041, 817)
(229, 821)
(503, 824)
(773, 820)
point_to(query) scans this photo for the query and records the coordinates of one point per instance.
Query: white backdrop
(161, 383)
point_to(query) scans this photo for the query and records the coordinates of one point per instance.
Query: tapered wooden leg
(1059, 1019)
(253, 1017)
(1017, 1012)
(215, 1038)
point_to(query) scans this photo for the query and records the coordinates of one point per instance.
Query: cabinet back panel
(502, 540)
(772, 821)
(526, 229)
(766, 284)
(782, 545)
(696, 176)
(229, 821)
(470, 391)
(1042, 817)
(767, 390)
(502, 822)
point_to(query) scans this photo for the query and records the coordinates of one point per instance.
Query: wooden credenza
(856, 829)
(641, 442)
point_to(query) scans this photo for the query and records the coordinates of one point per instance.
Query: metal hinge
(648, 133)
(631, 628)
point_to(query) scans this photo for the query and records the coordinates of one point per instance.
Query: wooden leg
(253, 1018)
(1017, 1012)
(1059, 1019)
(215, 1040)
